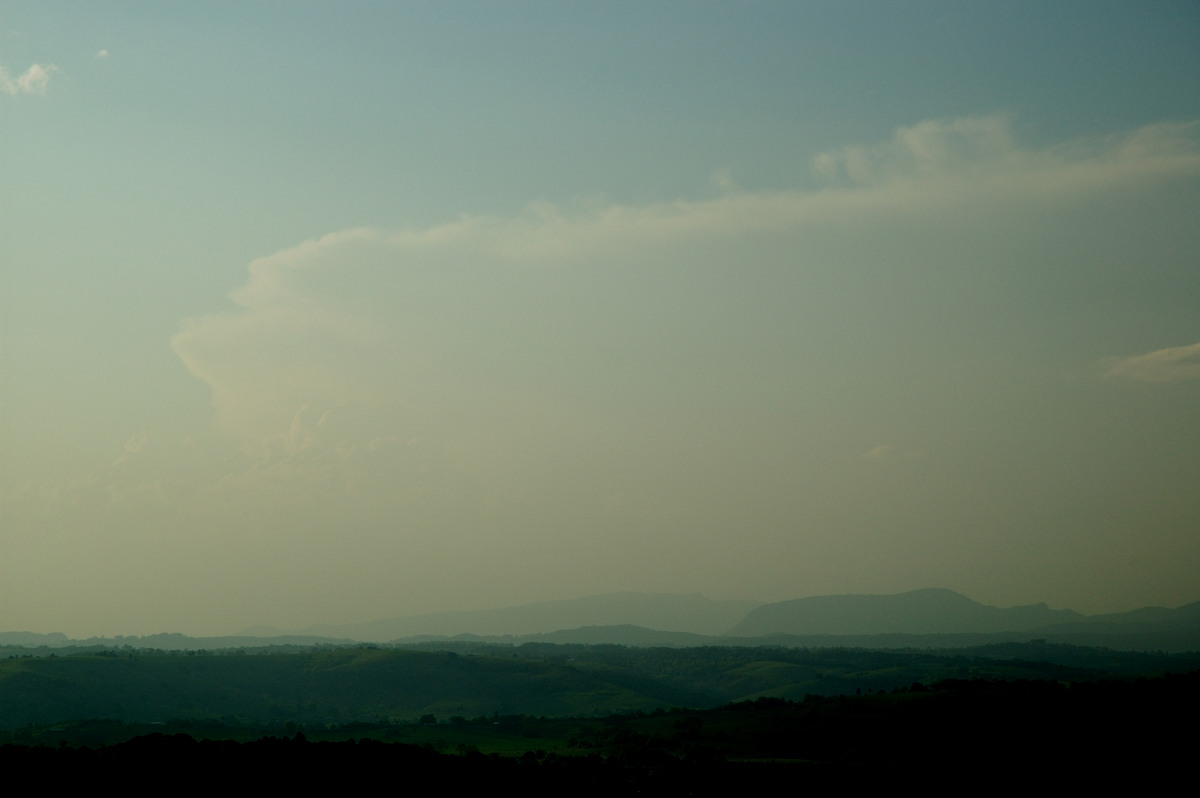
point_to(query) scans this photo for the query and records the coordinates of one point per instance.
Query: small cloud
(723, 179)
(102, 54)
(1165, 365)
(880, 452)
(892, 453)
(134, 446)
(33, 81)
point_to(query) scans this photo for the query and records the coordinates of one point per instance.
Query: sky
(321, 313)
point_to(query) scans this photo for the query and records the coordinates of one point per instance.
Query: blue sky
(316, 312)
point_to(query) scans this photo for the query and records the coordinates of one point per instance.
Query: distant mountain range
(942, 618)
(932, 618)
(673, 612)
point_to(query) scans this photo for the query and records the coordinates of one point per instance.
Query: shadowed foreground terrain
(605, 719)
(953, 732)
(270, 687)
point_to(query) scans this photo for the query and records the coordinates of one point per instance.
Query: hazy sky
(317, 312)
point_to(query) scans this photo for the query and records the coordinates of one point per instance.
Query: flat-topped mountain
(931, 611)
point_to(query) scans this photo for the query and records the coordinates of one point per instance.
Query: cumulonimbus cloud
(407, 321)
(1164, 365)
(33, 81)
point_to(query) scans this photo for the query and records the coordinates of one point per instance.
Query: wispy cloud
(985, 147)
(929, 148)
(33, 81)
(1164, 365)
(882, 452)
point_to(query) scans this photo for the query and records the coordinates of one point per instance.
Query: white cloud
(1164, 365)
(33, 81)
(102, 54)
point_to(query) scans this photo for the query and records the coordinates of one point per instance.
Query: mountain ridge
(932, 617)
(675, 612)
